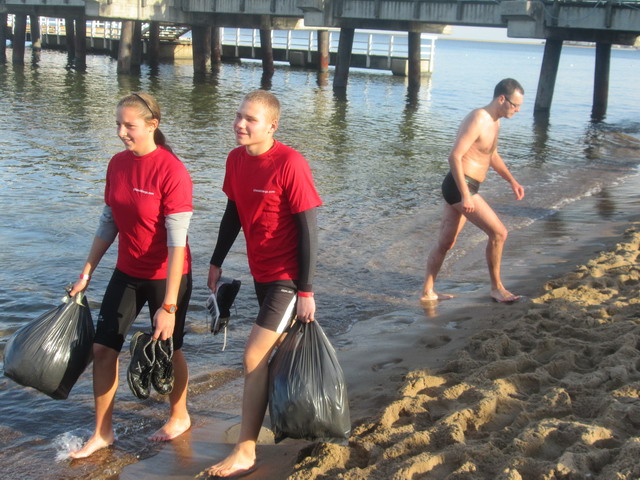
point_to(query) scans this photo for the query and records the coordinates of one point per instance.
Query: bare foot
(236, 464)
(432, 296)
(502, 295)
(94, 444)
(172, 429)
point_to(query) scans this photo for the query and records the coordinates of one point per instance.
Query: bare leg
(105, 384)
(254, 403)
(450, 227)
(486, 219)
(179, 420)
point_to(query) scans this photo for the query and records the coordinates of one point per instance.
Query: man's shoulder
(285, 151)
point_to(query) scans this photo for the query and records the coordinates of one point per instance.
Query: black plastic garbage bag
(307, 392)
(50, 352)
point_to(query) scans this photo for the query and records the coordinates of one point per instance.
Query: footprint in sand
(385, 365)
(436, 342)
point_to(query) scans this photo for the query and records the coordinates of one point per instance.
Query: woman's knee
(102, 353)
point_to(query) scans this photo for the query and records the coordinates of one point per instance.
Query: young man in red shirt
(272, 198)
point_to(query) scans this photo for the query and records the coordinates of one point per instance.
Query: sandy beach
(547, 388)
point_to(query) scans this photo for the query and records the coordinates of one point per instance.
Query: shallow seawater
(378, 158)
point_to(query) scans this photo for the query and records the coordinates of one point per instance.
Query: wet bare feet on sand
(172, 429)
(432, 296)
(94, 444)
(236, 464)
(502, 295)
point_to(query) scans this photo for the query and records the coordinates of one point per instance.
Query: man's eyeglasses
(514, 105)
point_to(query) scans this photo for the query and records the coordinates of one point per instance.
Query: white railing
(95, 28)
(365, 42)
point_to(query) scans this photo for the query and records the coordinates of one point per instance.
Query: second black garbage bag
(307, 391)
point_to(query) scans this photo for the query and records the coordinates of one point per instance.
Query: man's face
(253, 126)
(511, 103)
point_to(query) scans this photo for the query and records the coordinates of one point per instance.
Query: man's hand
(518, 190)
(306, 309)
(215, 273)
(467, 204)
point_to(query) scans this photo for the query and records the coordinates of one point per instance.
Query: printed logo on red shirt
(143, 191)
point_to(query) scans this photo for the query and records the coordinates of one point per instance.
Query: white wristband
(84, 276)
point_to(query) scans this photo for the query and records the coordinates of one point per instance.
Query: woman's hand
(164, 323)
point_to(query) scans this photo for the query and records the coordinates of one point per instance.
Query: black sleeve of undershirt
(307, 223)
(227, 233)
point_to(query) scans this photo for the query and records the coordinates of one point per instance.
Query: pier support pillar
(323, 51)
(201, 44)
(345, 47)
(136, 46)
(19, 38)
(36, 41)
(267, 52)
(601, 81)
(153, 53)
(547, 80)
(3, 37)
(415, 46)
(216, 46)
(80, 60)
(70, 36)
(125, 51)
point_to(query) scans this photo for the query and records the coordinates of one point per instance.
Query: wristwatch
(170, 308)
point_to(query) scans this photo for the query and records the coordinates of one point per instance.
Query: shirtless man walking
(475, 150)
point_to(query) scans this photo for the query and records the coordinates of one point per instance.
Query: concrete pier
(548, 74)
(3, 38)
(216, 46)
(19, 38)
(604, 23)
(136, 46)
(201, 44)
(80, 59)
(36, 41)
(323, 51)
(414, 61)
(125, 51)
(266, 48)
(601, 81)
(153, 52)
(345, 47)
(70, 34)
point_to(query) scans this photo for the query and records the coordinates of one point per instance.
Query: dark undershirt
(307, 242)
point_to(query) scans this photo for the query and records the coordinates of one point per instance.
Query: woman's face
(134, 131)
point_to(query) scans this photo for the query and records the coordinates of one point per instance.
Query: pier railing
(373, 48)
(368, 43)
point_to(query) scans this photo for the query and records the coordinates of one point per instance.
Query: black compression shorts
(450, 190)
(124, 298)
(277, 302)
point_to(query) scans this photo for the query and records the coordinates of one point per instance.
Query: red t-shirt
(141, 191)
(268, 190)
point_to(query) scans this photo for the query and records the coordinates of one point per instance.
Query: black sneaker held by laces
(162, 373)
(142, 348)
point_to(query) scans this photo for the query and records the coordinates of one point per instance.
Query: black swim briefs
(450, 190)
